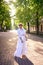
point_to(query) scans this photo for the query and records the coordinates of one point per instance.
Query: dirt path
(8, 42)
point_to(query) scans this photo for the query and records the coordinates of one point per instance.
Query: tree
(29, 11)
(37, 10)
(23, 11)
(4, 13)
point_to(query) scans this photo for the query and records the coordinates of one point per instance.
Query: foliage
(4, 14)
(26, 9)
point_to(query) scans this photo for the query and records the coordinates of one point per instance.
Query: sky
(10, 0)
(12, 11)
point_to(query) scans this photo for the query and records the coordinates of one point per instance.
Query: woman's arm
(19, 35)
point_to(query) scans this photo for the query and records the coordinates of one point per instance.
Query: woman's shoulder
(24, 29)
(18, 30)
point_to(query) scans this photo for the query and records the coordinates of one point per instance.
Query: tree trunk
(1, 25)
(37, 23)
(28, 28)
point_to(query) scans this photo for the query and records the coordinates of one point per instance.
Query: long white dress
(21, 48)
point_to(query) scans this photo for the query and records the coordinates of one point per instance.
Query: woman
(21, 48)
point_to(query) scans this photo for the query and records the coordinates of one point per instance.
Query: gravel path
(8, 42)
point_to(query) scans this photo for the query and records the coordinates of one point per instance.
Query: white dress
(21, 48)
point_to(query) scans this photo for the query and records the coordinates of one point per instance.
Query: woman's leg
(24, 52)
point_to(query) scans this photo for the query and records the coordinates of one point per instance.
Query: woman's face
(20, 26)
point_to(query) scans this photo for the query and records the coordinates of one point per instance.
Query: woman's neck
(21, 28)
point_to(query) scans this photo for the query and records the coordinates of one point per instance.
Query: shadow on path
(35, 38)
(21, 61)
(6, 62)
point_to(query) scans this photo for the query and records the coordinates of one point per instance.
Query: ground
(8, 41)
